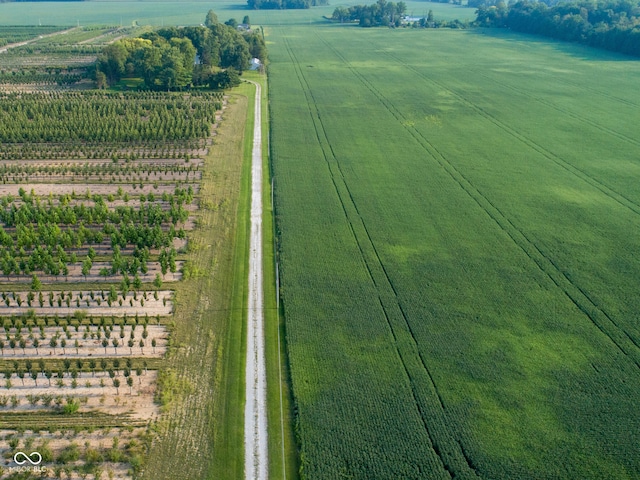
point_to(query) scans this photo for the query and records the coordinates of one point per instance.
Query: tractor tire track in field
(578, 296)
(549, 155)
(582, 174)
(451, 456)
(602, 94)
(589, 304)
(568, 113)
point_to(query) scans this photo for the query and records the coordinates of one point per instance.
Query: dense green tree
(111, 62)
(225, 79)
(257, 47)
(232, 22)
(381, 13)
(211, 19)
(175, 58)
(610, 24)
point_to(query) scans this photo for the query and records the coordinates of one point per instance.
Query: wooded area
(284, 4)
(612, 25)
(174, 58)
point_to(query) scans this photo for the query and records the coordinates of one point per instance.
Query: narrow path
(255, 411)
(27, 42)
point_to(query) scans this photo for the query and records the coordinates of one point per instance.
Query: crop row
(57, 60)
(132, 161)
(180, 196)
(85, 342)
(42, 78)
(80, 319)
(175, 150)
(91, 364)
(27, 302)
(29, 214)
(15, 329)
(127, 178)
(33, 48)
(79, 368)
(54, 421)
(101, 273)
(15, 34)
(93, 169)
(94, 117)
(36, 237)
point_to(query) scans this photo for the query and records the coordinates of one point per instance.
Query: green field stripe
(623, 338)
(424, 388)
(595, 313)
(613, 194)
(448, 451)
(435, 468)
(564, 111)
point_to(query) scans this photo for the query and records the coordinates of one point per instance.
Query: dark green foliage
(381, 13)
(612, 25)
(163, 63)
(233, 47)
(224, 79)
(232, 22)
(174, 58)
(257, 47)
(95, 116)
(284, 4)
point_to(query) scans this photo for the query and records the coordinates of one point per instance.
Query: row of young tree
(174, 58)
(91, 215)
(612, 25)
(40, 117)
(51, 261)
(381, 13)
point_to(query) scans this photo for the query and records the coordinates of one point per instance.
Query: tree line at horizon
(612, 25)
(284, 4)
(389, 14)
(174, 58)
(381, 13)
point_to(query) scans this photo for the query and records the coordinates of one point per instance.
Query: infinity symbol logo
(24, 458)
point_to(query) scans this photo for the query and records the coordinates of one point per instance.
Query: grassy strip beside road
(204, 376)
(283, 452)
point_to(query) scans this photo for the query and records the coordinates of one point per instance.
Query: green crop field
(456, 222)
(458, 215)
(185, 13)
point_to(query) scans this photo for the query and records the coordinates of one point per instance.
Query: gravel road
(256, 460)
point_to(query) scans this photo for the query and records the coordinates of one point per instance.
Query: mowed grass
(456, 215)
(205, 367)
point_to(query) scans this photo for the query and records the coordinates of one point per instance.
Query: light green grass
(457, 214)
(185, 13)
(208, 350)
